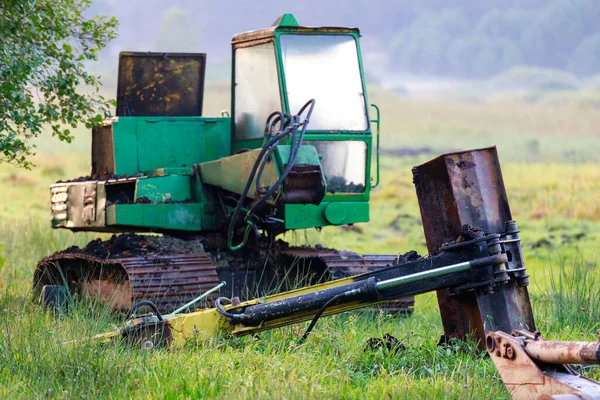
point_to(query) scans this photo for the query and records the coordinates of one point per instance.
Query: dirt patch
(352, 228)
(401, 221)
(411, 152)
(132, 245)
(467, 232)
(407, 257)
(567, 238)
(541, 244)
(338, 184)
(387, 342)
(99, 177)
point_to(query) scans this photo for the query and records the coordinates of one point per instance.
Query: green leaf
(43, 58)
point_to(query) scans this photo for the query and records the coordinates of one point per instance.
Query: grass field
(551, 162)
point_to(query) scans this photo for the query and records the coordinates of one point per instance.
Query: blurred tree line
(475, 39)
(458, 39)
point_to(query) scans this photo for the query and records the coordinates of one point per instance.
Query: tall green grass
(550, 159)
(567, 299)
(334, 363)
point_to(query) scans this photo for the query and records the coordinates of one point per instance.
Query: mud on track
(132, 245)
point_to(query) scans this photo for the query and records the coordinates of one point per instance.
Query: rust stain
(169, 280)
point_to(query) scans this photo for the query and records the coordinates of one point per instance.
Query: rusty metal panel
(76, 205)
(467, 188)
(89, 202)
(160, 84)
(103, 150)
(527, 376)
(461, 188)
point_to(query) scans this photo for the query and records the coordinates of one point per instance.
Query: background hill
(429, 38)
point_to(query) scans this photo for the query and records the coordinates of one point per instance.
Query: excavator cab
(280, 68)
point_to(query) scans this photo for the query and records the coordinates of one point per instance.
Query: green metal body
(143, 145)
(164, 173)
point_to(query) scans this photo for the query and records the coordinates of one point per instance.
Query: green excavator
(200, 202)
(298, 151)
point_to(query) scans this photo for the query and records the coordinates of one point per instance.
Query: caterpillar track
(170, 272)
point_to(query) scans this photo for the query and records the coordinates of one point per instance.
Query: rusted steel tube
(563, 352)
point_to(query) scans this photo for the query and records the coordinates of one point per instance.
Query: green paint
(185, 217)
(376, 121)
(337, 213)
(144, 145)
(286, 20)
(163, 150)
(164, 188)
(302, 216)
(307, 155)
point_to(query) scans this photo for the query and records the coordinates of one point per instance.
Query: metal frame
(254, 38)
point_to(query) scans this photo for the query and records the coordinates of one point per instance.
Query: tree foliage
(44, 45)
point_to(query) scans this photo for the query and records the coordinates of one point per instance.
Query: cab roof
(286, 22)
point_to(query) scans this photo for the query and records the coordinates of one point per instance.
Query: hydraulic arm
(475, 265)
(529, 366)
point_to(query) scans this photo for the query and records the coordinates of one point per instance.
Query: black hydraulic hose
(267, 157)
(144, 303)
(272, 120)
(241, 317)
(249, 183)
(318, 315)
(294, 123)
(275, 117)
(220, 310)
(296, 143)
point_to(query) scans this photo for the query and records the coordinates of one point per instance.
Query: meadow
(550, 155)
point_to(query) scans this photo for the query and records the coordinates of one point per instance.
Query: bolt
(488, 289)
(510, 353)
(523, 281)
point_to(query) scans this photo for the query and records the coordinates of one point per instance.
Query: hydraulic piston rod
(438, 272)
(364, 291)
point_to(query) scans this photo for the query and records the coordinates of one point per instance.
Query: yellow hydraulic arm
(530, 368)
(306, 303)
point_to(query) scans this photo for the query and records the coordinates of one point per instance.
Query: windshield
(325, 68)
(256, 89)
(344, 164)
